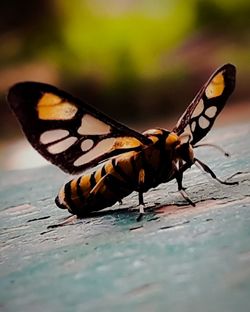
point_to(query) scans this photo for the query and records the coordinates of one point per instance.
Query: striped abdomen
(133, 171)
(98, 190)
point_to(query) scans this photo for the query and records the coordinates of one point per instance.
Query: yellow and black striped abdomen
(100, 189)
(133, 171)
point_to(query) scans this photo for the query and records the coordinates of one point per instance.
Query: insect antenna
(213, 145)
(205, 168)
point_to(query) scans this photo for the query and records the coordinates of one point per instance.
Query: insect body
(75, 136)
(134, 171)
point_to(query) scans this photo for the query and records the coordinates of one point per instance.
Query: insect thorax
(175, 147)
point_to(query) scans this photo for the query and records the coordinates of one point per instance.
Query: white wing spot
(62, 146)
(53, 135)
(193, 125)
(198, 109)
(203, 122)
(186, 135)
(211, 111)
(91, 125)
(101, 148)
(188, 130)
(86, 145)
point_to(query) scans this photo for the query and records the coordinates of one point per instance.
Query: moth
(75, 136)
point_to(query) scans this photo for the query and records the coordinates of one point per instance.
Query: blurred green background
(136, 60)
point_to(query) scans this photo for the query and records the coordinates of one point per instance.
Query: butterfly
(76, 136)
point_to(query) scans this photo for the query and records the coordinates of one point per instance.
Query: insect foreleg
(179, 177)
(205, 167)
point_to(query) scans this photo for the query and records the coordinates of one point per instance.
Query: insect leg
(141, 201)
(141, 181)
(185, 196)
(181, 168)
(99, 185)
(208, 170)
(213, 145)
(113, 184)
(179, 177)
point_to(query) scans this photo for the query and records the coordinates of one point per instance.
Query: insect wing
(66, 131)
(200, 115)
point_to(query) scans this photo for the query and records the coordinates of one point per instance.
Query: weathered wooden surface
(178, 258)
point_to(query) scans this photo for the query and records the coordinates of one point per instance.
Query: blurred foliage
(92, 36)
(140, 54)
(138, 33)
(231, 16)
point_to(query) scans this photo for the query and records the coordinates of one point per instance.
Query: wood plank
(178, 258)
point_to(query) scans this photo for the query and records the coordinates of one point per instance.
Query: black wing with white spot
(68, 132)
(200, 115)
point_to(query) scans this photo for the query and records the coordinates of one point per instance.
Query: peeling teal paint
(178, 258)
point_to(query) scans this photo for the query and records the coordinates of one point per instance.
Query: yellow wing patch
(52, 107)
(216, 86)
